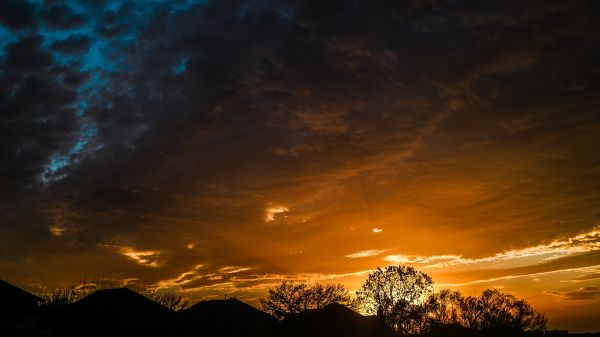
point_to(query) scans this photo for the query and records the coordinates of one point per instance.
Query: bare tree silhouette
(444, 308)
(404, 298)
(495, 312)
(290, 298)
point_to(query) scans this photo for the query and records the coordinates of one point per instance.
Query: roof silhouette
(119, 311)
(334, 320)
(230, 317)
(12, 296)
(120, 299)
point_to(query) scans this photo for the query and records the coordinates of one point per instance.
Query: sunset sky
(218, 147)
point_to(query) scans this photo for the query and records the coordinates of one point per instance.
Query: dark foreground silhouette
(227, 318)
(333, 320)
(123, 312)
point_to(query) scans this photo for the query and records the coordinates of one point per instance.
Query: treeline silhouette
(403, 299)
(396, 300)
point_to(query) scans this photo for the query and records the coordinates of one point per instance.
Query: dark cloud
(36, 120)
(114, 22)
(62, 16)
(17, 14)
(26, 57)
(315, 78)
(35, 108)
(112, 31)
(72, 45)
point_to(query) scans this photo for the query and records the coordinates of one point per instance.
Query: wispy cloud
(56, 230)
(582, 243)
(366, 253)
(582, 278)
(194, 275)
(400, 259)
(231, 279)
(323, 122)
(233, 269)
(182, 279)
(510, 276)
(148, 258)
(581, 294)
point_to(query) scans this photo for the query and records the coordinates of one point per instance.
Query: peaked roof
(334, 320)
(120, 300)
(229, 306)
(230, 317)
(12, 296)
(118, 312)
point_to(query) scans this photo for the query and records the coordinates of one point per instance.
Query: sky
(219, 147)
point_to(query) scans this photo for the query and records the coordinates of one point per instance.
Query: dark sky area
(218, 147)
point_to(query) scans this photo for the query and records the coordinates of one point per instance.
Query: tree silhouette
(169, 299)
(404, 298)
(495, 312)
(60, 297)
(444, 308)
(491, 313)
(290, 298)
(470, 312)
(398, 295)
(401, 296)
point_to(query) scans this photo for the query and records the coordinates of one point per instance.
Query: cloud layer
(224, 145)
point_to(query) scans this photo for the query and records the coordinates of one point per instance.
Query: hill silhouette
(333, 320)
(225, 318)
(119, 312)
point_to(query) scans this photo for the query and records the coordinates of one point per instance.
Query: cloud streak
(581, 294)
(149, 258)
(366, 253)
(582, 243)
